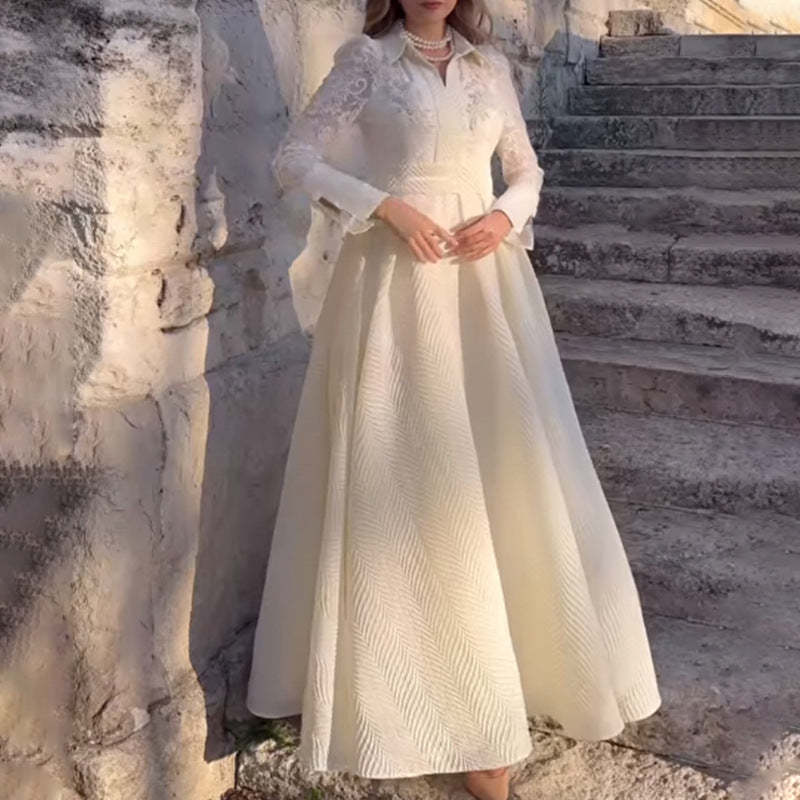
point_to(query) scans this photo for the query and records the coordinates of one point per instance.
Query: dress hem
(420, 772)
(644, 711)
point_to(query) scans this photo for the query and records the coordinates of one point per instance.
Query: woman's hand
(419, 231)
(482, 236)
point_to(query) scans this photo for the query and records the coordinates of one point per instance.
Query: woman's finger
(464, 227)
(472, 246)
(479, 252)
(447, 236)
(425, 247)
(415, 250)
(478, 237)
(434, 244)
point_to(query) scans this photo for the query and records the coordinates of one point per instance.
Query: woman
(444, 563)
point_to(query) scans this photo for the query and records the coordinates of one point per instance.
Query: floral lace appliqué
(403, 96)
(335, 104)
(480, 84)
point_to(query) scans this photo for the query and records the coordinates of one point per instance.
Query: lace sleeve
(521, 171)
(299, 162)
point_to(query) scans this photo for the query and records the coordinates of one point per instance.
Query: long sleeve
(299, 162)
(520, 167)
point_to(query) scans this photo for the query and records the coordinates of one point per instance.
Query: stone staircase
(668, 250)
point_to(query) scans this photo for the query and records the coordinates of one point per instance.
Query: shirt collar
(396, 43)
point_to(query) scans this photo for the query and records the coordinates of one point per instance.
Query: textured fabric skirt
(444, 563)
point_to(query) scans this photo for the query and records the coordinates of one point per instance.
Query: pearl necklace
(418, 42)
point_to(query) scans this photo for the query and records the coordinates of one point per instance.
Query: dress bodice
(415, 129)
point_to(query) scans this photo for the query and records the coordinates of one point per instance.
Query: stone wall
(145, 335)
(729, 16)
(150, 368)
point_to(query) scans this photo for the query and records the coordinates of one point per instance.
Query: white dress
(444, 562)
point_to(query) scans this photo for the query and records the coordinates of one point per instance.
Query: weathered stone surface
(185, 296)
(673, 210)
(654, 71)
(42, 512)
(29, 781)
(166, 757)
(750, 318)
(688, 381)
(730, 16)
(675, 168)
(557, 767)
(232, 486)
(787, 47)
(739, 573)
(677, 133)
(242, 123)
(685, 100)
(636, 22)
(694, 464)
(716, 679)
(99, 142)
(602, 251)
(735, 260)
(658, 46)
(703, 46)
(777, 777)
(613, 251)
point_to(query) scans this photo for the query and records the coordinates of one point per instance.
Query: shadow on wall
(255, 360)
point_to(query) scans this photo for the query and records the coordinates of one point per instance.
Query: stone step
(688, 381)
(741, 572)
(748, 319)
(727, 696)
(673, 210)
(677, 133)
(665, 168)
(655, 459)
(612, 251)
(643, 70)
(726, 46)
(647, 101)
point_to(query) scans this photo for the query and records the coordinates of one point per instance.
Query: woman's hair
(470, 18)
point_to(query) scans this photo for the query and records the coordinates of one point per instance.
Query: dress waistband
(438, 178)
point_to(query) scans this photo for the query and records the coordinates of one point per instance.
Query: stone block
(718, 46)
(688, 381)
(677, 211)
(652, 46)
(779, 47)
(734, 469)
(186, 295)
(636, 22)
(691, 71)
(25, 781)
(684, 101)
(749, 319)
(166, 758)
(671, 169)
